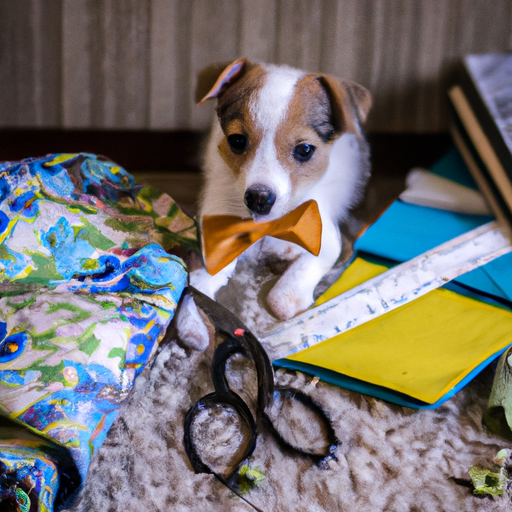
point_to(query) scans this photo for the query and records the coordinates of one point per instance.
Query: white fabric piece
(427, 189)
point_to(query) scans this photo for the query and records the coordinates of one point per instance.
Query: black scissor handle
(332, 442)
(229, 399)
(223, 352)
(228, 324)
(239, 339)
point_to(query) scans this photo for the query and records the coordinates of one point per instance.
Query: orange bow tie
(225, 237)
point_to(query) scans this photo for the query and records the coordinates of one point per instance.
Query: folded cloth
(88, 287)
(422, 353)
(407, 230)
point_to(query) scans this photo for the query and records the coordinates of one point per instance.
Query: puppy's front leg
(293, 292)
(209, 284)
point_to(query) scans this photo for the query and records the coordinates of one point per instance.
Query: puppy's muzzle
(259, 199)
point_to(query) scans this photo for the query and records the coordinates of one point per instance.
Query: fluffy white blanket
(391, 458)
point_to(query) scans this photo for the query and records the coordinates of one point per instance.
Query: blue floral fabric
(88, 287)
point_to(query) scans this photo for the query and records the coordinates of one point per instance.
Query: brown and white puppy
(280, 137)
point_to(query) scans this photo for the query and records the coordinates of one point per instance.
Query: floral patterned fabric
(88, 286)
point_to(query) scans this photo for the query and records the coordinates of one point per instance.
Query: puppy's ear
(361, 98)
(350, 103)
(213, 80)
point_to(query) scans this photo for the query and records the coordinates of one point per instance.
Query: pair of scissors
(238, 339)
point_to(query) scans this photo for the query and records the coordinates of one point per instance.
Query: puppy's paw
(205, 283)
(209, 284)
(192, 330)
(287, 300)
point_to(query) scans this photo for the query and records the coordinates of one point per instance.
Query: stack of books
(481, 126)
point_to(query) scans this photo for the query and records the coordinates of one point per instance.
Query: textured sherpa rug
(391, 458)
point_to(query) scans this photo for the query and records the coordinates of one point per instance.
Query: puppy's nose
(259, 199)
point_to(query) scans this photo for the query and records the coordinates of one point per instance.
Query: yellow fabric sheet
(422, 349)
(358, 272)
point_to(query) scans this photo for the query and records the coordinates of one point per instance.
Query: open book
(481, 126)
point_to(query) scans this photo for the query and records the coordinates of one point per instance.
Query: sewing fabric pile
(87, 292)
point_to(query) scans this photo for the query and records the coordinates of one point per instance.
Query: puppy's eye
(237, 143)
(303, 152)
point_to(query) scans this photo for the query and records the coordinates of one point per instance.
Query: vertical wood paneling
(106, 63)
(16, 64)
(425, 91)
(170, 64)
(347, 41)
(46, 23)
(258, 30)
(124, 63)
(127, 35)
(215, 32)
(392, 65)
(76, 64)
(99, 70)
(298, 41)
(133, 63)
(30, 63)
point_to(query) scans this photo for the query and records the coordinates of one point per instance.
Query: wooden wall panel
(170, 71)
(126, 82)
(258, 30)
(16, 65)
(30, 58)
(215, 30)
(299, 39)
(105, 65)
(46, 23)
(76, 65)
(133, 63)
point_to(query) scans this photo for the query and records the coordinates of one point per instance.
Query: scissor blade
(388, 291)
